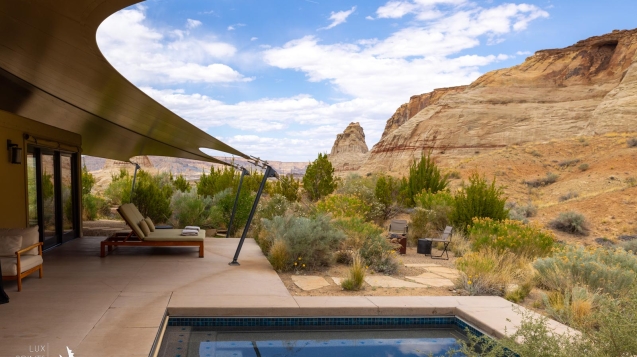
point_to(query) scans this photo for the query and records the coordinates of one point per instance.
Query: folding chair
(445, 238)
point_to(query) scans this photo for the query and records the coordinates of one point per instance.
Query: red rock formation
(349, 150)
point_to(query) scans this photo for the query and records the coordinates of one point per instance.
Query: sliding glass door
(51, 178)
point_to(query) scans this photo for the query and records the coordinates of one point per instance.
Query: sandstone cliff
(589, 88)
(349, 150)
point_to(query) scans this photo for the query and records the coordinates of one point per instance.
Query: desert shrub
(376, 250)
(520, 212)
(356, 274)
(454, 174)
(190, 209)
(308, 241)
(543, 181)
(478, 199)
(364, 189)
(269, 207)
(221, 211)
(379, 254)
(343, 206)
(631, 142)
(460, 244)
(567, 163)
(152, 196)
(569, 195)
(429, 200)
(424, 175)
(630, 246)
(357, 232)
(488, 272)
(278, 255)
(88, 181)
(218, 180)
(514, 236)
(631, 182)
(607, 270)
(119, 189)
(93, 206)
(583, 167)
(573, 306)
(181, 184)
(431, 215)
(287, 186)
(571, 222)
(318, 180)
(386, 193)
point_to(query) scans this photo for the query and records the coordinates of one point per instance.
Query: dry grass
(279, 255)
(356, 274)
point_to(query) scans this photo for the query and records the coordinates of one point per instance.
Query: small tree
(287, 187)
(319, 178)
(181, 183)
(88, 181)
(152, 196)
(424, 175)
(480, 200)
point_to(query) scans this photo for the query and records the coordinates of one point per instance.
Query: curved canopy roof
(52, 71)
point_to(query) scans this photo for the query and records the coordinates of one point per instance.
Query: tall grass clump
(571, 222)
(460, 244)
(279, 256)
(512, 236)
(424, 175)
(356, 275)
(610, 271)
(478, 199)
(572, 306)
(311, 241)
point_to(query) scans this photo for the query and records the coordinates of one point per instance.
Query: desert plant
(356, 274)
(460, 244)
(287, 186)
(191, 209)
(571, 222)
(631, 181)
(513, 236)
(520, 212)
(386, 193)
(92, 206)
(583, 167)
(364, 188)
(543, 181)
(478, 199)
(152, 196)
(573, 306)
(314, 240)
(607, 270)
(88, 181)
(631, 142)
(569, 195)
(630, 246)
(318, 180)
(218, 180)
(119, 189)
(424, 175)
(488, 272)
(278, 255)
(376, 250)
(567, 163)
(454, 174)
(357, 231)
(181, 184)
(222, 205)
(343, 206)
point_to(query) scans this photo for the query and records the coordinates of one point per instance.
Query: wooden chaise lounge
(154, 238)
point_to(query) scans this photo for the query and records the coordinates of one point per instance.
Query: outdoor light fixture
(15, 153)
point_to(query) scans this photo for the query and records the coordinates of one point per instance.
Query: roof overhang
(52, 71)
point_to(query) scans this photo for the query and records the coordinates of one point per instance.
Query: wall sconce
(15, 153)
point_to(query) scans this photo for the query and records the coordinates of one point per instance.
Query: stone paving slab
(389, 282)
(436, 282)
(337, 280)
(426, 265)
(446, 273)
(309, 282)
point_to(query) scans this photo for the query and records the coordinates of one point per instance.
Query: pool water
(311, 337)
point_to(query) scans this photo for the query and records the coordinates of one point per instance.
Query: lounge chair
(155, 238)
(445, 238)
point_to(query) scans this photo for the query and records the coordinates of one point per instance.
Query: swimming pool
(312, 336)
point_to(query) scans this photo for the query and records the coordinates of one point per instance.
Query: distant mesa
(589, 88)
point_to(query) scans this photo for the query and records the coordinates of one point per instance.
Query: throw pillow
(150, 223)
(9, 245)
(144, 227)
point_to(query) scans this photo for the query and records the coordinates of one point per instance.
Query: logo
(69, 351)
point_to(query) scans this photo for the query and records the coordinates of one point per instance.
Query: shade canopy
(52, 71)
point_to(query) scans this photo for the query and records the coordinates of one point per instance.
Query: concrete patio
(114, 306)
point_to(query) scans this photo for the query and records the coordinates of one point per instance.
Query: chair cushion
(175, 236)
(9, 245)
(144, 227)
(10, 265)
(150, 223)
(30, 236)
(131, 215)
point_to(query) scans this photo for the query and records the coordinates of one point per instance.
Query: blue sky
(279, 79)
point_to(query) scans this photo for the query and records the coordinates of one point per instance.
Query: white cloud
(254, 38)
(191, 24)
(144, 54)
(234, 27)
(368, 18)
(338, 18)
(523, 53)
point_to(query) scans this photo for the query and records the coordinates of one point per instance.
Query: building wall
(13, 180)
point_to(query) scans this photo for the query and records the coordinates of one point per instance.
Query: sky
(280, 79)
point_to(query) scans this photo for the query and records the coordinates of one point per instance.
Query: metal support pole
(269, 172)
(236, 200)
(132, 189)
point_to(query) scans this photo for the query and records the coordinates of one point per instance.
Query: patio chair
(398, 226)
(20, 253)
(445, 238)
(143, 234)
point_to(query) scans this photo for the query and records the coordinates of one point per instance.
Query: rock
(349, 149)
(589, 88)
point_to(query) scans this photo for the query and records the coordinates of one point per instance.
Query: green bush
(343, 206)
(190, 209)
(431, 215)
(119, 189)
(181, 184)
(363, 188)
(218, 180)
(386, 193)
(513, 236)
(287, 186)
(92, 207)
(152, 196)
(357, 232)
(607, 270)
(480, 200)
(309, 241)
(318, 180)
(571, 222)
(368, 239)
(88, 181)
(424, 175)
(221, 211)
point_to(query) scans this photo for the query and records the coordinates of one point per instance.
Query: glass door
(51, 192)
